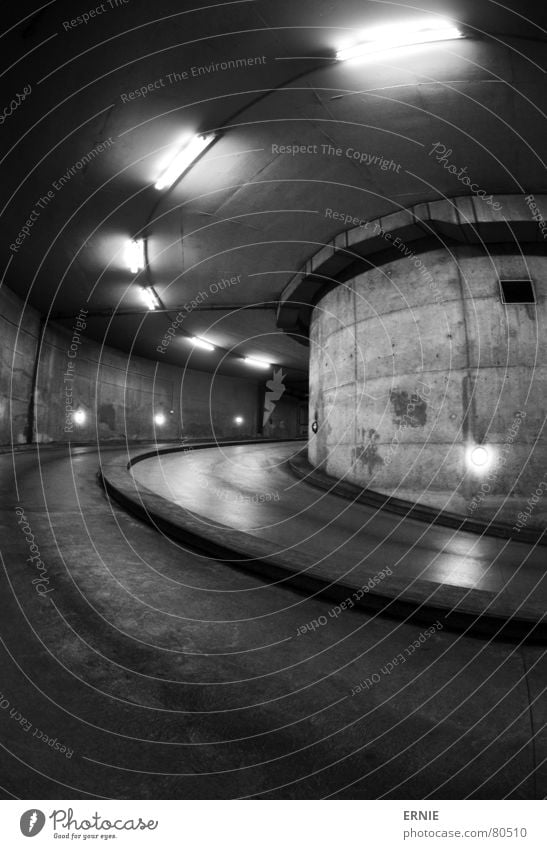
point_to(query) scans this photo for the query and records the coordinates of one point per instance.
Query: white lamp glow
(79, 417)
(238, 420)
(251, 361)
(134, 255)
(149, 297)
(182, 161)
(202, 343)
(479, 458)
(378, 39)
(159, 419)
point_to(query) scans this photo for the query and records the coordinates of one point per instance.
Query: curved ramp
(243, 504)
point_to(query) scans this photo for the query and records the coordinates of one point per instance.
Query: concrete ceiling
(245, 210)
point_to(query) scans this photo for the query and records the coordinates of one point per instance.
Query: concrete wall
(285, 420)
(119, 395)
(407, 376)
(19, 331)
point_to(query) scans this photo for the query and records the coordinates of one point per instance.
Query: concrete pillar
(417, 362)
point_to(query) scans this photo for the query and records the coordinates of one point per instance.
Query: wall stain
(107, 416)
(367, 454)
(408, 410)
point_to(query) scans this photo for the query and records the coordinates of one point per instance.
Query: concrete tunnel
(272, 400)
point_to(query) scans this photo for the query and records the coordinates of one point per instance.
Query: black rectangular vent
(517, 292)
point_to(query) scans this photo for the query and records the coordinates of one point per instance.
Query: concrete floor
(174, 676)
(250, 488)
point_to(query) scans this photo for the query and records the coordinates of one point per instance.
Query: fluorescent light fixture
(401, 35)
(149, 297)
(79, 417)
(134, 255)
(256, 363)
(182, 161)
(238, 420)
(159, 419)
(202, 343)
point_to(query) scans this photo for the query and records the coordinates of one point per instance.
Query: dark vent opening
(517, 292)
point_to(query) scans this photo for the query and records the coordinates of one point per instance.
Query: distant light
(149, 297)
(186, 155)
(79, 417)
(159, 419)
(238, 420)
(134, 255)
(400, 35)
(256, 363)
(202, 343)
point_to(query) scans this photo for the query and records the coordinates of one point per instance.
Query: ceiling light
(201, 343)
(186, 155)
(149, 297)
(238, 420)
(256, 363)
(159, 419)
(401, 35)
(134, 255)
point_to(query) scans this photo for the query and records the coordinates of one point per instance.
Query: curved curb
(302, 469)
(457, 608)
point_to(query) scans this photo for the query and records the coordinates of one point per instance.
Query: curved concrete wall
(119, 394)
(414, 363)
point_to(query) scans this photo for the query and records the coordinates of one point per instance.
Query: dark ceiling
(245, 210)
